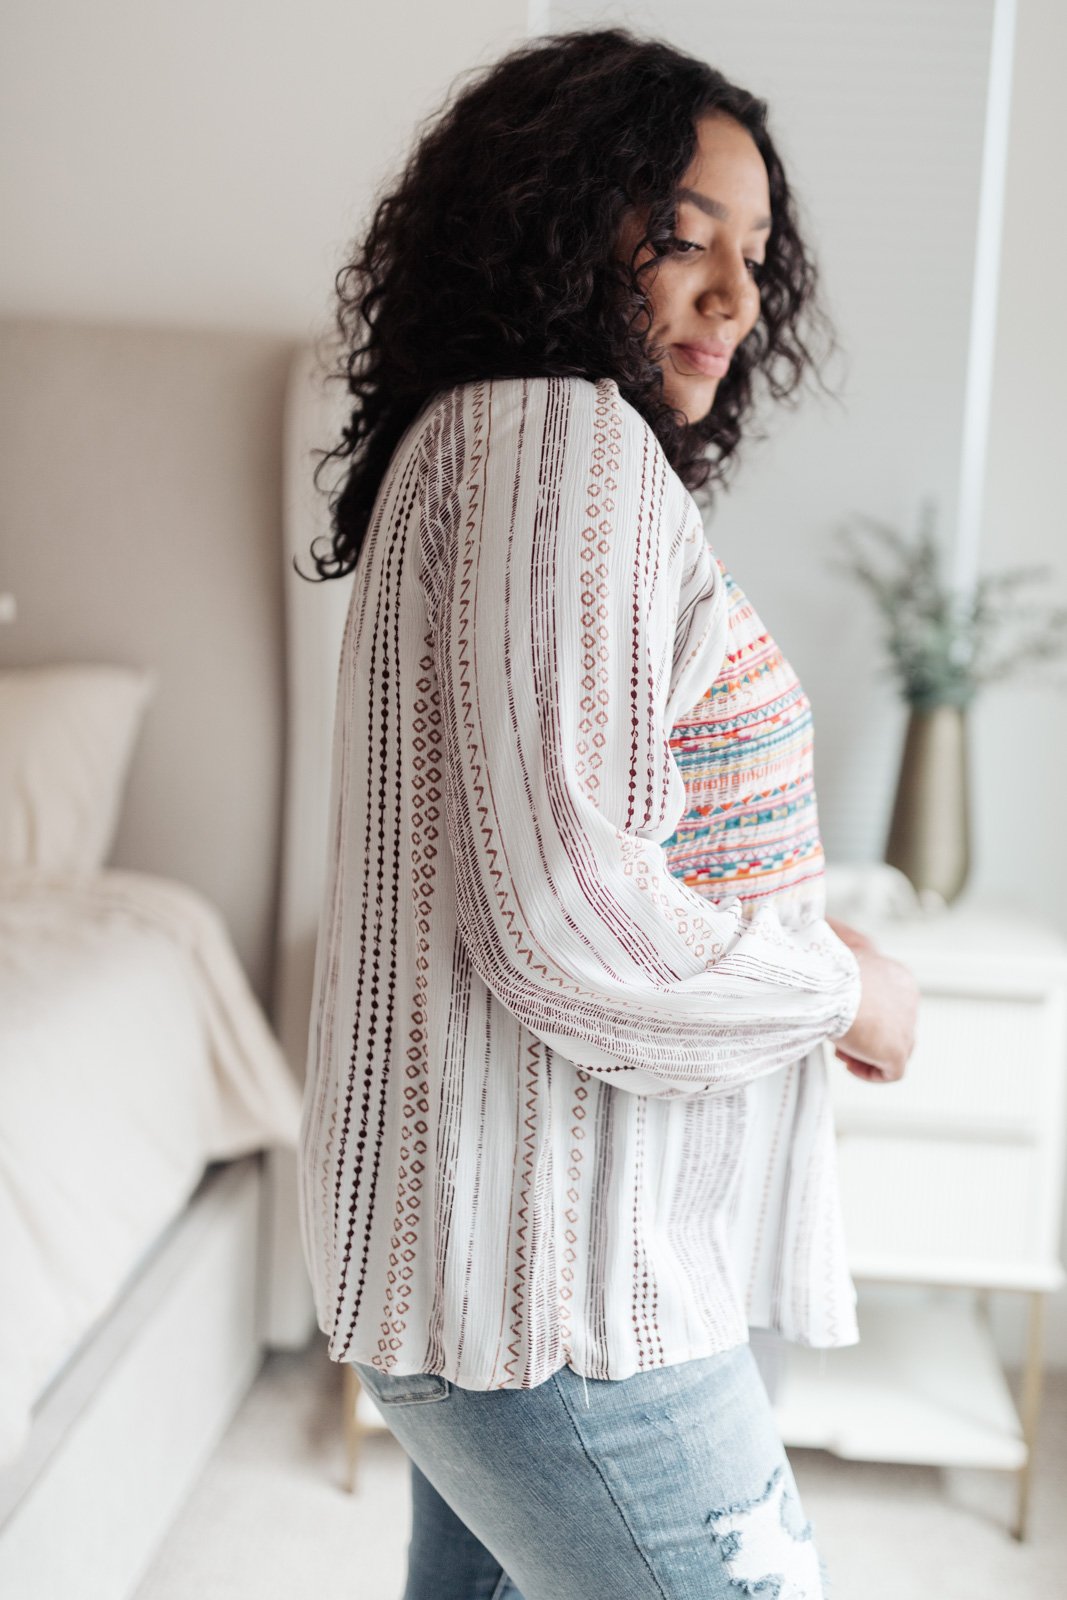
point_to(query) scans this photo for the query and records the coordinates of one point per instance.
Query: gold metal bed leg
(1030, 1404)
(352, 1426)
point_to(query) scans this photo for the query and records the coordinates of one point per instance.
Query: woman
(566, 1133)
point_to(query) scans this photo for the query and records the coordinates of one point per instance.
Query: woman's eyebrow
(715, 208)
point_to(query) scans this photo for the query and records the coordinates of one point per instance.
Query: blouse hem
(482, 1384)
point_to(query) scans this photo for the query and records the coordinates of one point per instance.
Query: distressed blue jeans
(672, 1484)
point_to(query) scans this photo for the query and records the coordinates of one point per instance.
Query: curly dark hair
(495, 254)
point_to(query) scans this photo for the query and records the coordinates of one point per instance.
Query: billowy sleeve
(557, 629)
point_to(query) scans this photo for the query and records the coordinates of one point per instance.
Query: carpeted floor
(270, 1520)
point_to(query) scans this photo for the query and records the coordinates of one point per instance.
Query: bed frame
(165, 473)
(124, 1430)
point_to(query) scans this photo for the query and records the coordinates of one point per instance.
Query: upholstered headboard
(315, 617)
(141, 523)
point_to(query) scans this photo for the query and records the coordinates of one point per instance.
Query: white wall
(1020, 734)
(207, 161)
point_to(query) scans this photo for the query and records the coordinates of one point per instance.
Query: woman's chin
(694, 398)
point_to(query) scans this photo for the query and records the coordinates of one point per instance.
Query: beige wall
(206, 161)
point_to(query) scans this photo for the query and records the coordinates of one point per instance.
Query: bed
(153, 989)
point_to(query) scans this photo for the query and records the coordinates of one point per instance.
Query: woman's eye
(685, 246)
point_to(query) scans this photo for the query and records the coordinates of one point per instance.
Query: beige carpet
(270, 1520)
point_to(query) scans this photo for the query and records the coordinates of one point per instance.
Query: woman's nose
(726, 288)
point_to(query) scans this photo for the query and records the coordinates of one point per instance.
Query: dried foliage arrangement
(945, 644)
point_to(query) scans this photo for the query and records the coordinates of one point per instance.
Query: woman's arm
(546, 560)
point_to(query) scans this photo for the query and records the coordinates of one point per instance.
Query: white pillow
(66, 738)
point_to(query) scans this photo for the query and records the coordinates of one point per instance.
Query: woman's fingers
(862, 1069)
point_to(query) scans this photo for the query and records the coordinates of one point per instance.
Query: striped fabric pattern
(567, 1096)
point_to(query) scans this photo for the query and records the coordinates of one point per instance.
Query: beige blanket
(132, 1053)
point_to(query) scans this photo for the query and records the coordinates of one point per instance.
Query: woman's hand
(882, 1035)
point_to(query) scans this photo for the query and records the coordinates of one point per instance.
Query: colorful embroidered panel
(745, 753)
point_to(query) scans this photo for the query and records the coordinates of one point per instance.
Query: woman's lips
(711, 366)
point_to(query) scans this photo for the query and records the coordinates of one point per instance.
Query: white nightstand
(951, 1179)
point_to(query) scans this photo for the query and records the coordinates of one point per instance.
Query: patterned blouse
(567, 1096)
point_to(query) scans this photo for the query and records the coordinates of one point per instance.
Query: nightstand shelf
(951, 1181)
(924, 1385)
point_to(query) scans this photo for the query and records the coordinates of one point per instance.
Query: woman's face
(705, 293)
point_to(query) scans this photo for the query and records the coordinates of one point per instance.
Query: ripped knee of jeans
(767, 1545)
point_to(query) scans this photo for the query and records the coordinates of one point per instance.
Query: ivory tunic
(567, 1092)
